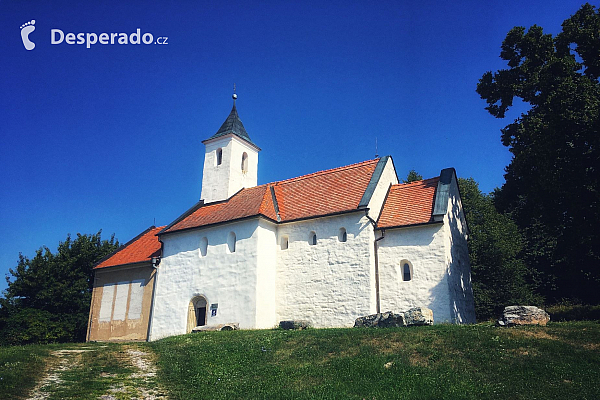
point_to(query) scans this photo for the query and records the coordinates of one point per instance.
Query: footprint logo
(26, 29)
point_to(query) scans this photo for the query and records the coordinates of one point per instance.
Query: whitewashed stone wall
(462, 307)
(441, 272)
(266, 286)
(388, 177)
(219, 182)
(424, 248)
(228, 279)
(331, 283)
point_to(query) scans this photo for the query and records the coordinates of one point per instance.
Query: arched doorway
(196, 312)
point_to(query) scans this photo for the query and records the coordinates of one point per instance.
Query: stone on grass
(418, 316)
(381, 320)
(412, 317)
(231, 326)
(523, 315)
(294, 324)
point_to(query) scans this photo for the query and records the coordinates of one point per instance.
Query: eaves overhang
(409, 226)
(137, 264)
(231, 135)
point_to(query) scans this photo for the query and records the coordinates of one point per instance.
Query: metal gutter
(410, 226)
(376, 254)
(264, 217)
(135, 264)
(152, 302)
(376, 247)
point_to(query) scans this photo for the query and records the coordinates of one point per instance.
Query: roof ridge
(326, 171)
(274, 183)
(262, 211)
(414, 183)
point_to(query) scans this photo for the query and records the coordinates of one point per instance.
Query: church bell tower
(230, 160)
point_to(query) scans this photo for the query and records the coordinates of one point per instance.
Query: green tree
(499, 275)
(412, 176)
(48, 297)
(552, 187)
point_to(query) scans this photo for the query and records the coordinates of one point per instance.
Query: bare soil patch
(139, 384)
(61, 360)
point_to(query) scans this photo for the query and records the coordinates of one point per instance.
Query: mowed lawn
(559, 361)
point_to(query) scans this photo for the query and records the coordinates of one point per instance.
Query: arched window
(342, 235)
(284, 243)
(406, 271)
(231, 242)
(203, 246)
(219, 156)
(312, 238)
(245, 162)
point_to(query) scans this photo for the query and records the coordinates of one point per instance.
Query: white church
(326, 248)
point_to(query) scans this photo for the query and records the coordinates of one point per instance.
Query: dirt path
(142, 381)
(61, 360)
(138, 384)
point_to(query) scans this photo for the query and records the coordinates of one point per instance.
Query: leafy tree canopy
(48, 297)
(412, 176)
(552, 187)
(500, 277)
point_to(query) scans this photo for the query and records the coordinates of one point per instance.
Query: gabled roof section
(245, 203)
(232, 125)
(139, 249)
(322, 193)
(409, 204)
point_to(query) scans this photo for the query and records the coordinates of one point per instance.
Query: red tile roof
(409, 204)
(321, 193)
(325, 192)
(139, 249)
(246, 203)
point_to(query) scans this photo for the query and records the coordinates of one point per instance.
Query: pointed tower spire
(230, 160)
(233, 124)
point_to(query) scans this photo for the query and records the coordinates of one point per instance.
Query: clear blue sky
(110, 137)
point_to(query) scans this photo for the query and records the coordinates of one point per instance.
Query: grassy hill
(559, 361)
